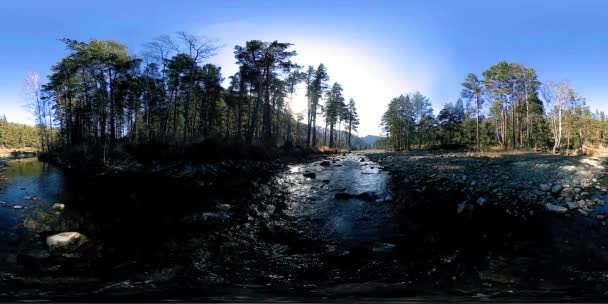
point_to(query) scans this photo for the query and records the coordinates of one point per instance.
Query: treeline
(15, 136)
(99, 95)
(508, 108)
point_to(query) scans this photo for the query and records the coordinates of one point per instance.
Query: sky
(377, 50)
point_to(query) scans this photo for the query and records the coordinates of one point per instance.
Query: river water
(329, 227)
(149, 225)
(30, 184)
(366, 213)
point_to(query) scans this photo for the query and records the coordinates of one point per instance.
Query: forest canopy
(99, 95)
(508, 108)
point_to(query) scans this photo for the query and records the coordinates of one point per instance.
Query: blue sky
(376, 49)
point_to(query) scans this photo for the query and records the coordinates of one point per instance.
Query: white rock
(58, 207)
(65, 240)
(555, 208)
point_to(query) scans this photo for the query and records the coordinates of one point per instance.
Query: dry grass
(7, 152)
(599, 151)
(327, 149)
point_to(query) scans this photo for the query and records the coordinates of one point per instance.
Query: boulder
(310, 174)
(555, 208)
(545, 188)
(556, 189)
(325, 163)
(481, 201)
(65, 241)
(58, 207)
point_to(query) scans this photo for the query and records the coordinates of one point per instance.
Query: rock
(481, 201)
(325, 163)
(17, 207)
(366, 196)
(583, 212)
(65, 241)
(310, 174)
(545, 188)
(384, 248)
(555, 208)
(464, 206)
(215, 218)
(362, 159)
(556, 189)
(326, 181)
(576, 190)
(37, 254)
(58, 207)
(343, 195)
(3, 203)
(572, 205)
(600, 217)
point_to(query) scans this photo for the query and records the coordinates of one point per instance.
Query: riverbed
(337, 226)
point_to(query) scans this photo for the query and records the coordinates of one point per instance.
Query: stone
(481, 201)
(545, 188)
(37, 254)
(65, 241)
(600, 217)
(384, 248)
(325, 163)
(556, 189)
(58, 207)
(572, 205)
(310, 174)
(576, 190)
(555, 208)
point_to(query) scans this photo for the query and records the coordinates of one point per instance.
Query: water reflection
(31, 184)
(314, 208)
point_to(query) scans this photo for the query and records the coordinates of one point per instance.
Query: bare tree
(557, 96)
(198, 48)
(36, 104)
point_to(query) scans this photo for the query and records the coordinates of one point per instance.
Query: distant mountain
(370, 139)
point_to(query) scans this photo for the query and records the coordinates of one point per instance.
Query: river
(160, 226)
(332, 227)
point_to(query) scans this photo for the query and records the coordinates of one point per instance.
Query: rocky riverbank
(527, 224)
(445, 225)
(521, 182)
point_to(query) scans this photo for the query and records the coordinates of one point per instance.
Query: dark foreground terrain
(389, 225)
